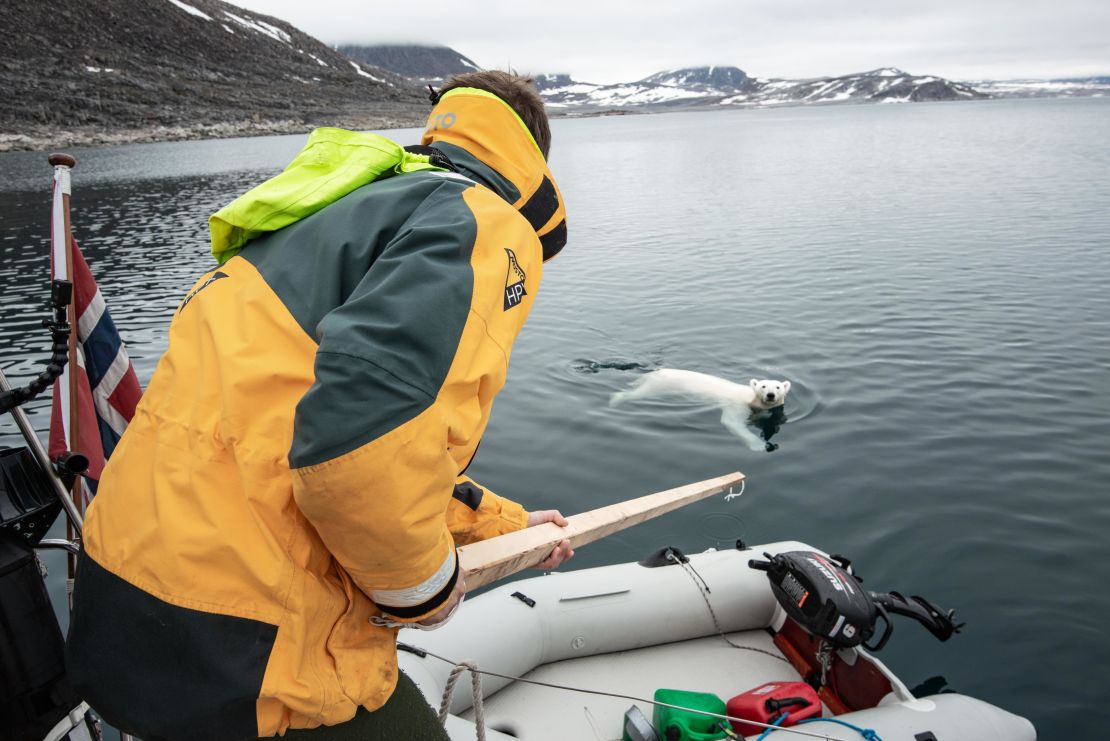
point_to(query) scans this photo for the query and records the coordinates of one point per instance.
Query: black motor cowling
(28, 504)
(35, 693)
(825, 597)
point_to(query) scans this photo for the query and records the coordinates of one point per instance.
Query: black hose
(61, 292)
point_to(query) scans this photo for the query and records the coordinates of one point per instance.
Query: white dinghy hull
(630, 629)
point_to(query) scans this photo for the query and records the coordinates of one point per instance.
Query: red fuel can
(768, 701)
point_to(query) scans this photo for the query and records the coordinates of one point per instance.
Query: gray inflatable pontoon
(631, 629)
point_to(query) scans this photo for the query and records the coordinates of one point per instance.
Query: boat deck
(694, 665)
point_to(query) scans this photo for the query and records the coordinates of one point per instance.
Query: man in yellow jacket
(297, 464)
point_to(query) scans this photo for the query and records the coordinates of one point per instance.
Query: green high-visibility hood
(332, 164)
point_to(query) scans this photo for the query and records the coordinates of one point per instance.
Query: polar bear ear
(785, 386)
(753, 383)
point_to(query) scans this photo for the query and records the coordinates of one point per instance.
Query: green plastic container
(690, 726)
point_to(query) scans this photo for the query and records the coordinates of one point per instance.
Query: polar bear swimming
(738, 403)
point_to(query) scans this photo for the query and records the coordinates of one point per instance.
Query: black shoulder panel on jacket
(386, 349)
(315, 264)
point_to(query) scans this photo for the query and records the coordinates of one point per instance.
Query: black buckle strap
(435, 156)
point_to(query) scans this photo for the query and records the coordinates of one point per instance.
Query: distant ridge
(1069, 87)
(731, 86)
(424, 63)
(724, 85)
(709, 79)
(75, 72)
(79, 72)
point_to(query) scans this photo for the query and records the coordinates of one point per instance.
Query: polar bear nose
(770, 396)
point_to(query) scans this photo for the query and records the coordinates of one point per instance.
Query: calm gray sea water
(932, 278)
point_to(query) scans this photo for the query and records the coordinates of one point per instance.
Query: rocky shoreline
(49, 138)
(129, 71)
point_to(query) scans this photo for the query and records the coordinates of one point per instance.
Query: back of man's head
(519, 91)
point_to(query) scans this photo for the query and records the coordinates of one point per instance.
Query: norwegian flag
(107, 389)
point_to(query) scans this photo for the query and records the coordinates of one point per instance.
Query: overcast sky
(623, 40)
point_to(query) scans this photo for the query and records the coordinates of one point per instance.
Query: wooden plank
(496, 558)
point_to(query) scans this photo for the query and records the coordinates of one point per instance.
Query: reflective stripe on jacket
(296, 464)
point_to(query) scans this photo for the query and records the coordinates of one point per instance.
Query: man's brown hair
(519, 91)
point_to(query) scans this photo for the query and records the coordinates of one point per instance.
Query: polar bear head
(768, 393)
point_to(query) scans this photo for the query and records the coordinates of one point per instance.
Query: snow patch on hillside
(191, 10)
(261, 27)
(364, 73)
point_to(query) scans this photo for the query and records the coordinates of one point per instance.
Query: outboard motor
(827, 599)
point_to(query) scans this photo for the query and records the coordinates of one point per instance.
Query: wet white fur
(736, 401)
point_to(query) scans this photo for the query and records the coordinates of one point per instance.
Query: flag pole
(62, 253)
(61, 236)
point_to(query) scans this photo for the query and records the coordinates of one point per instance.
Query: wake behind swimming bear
(737, 401)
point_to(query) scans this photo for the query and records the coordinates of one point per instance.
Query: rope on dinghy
(703, 589)
(479, 708)
(476, 688)
(867, 733)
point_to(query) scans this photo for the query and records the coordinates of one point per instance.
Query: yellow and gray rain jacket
(296, 464)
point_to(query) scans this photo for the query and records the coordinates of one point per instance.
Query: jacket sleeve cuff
(513, 516)
(475, 513)
(423, 599)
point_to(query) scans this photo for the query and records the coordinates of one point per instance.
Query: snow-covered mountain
(711, 80)
(885, 85)
(1080, 87)
(730, 86)
(560, 92)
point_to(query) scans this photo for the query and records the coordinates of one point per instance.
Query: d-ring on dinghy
(692, 632)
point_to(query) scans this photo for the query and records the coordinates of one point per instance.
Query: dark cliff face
(424, 63)
(550, 82)
(133, 64)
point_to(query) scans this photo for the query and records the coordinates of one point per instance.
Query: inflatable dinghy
(716, 638)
